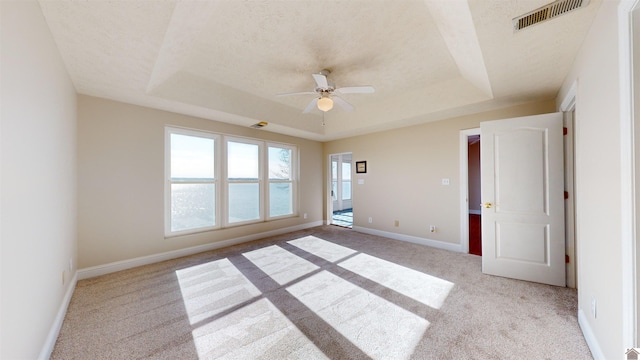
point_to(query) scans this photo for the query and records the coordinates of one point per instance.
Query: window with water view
(192, 182)
(207, 191)
(243, 175)
(280, 181)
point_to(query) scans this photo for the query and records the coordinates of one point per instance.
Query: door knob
(486, 205)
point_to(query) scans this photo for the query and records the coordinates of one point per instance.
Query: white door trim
(329, 183)
(627, 175)
(328, 199)
(570, 201)
(568, 107)
(464, 187)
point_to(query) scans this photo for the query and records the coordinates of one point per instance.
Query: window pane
(192, 206)
(279, 163)
(334, 170)
(280, 199)
(244, 202)
(346, 190)
(242, 161)
(346, 171)
(192, 157)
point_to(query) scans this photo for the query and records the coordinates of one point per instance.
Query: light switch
(360, 181)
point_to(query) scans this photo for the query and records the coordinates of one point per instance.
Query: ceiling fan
(326, 93)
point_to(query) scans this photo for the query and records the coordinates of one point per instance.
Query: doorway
(341, 194)
(470, 212)
(474, 190)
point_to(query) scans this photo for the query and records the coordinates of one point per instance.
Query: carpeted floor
(325, 292)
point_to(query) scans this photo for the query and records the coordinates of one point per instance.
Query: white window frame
(260, 181)
(168, 181)
(293, 180)
(221, 181)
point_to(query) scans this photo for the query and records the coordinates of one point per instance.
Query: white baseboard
(151, 259)
(50, 342)
(589, 336)
(475, 212)
(412, 239)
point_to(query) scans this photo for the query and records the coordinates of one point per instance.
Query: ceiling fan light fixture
(324, 92)
(325, 104)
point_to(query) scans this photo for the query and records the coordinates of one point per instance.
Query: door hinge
(565, 131)
(566, 258)
(566, 195)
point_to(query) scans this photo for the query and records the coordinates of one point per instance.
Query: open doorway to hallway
(341, 194)
(475, 213)
(470, 190)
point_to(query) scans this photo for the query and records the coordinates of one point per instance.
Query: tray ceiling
(227, 60)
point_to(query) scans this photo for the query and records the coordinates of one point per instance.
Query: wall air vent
(259, 125)
(547, 12)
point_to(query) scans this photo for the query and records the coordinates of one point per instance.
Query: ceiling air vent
(547, 12)
(259, 125)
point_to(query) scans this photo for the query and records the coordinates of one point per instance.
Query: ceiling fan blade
(298, 93)
(311, 106)
(321, 80)
(356, 90)
(343, 104)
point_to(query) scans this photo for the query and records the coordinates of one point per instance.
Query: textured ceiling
(227, 60)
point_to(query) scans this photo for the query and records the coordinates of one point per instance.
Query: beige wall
(38, 182)
(598, 181)
(121, 186)
(405, 168)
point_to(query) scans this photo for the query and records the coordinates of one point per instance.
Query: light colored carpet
(321, 293)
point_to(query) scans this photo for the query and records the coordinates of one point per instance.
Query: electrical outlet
(70, 265)
(396, 223)
(432, 228)
(594, 307)
(370, 220)
(305, 215)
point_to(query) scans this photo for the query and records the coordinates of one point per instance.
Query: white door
(523, 198)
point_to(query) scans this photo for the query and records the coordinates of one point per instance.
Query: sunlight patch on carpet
(210, 289)
(256, 331)
(281, 265)
(379, 328)
(322, 248)
(427, 289)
